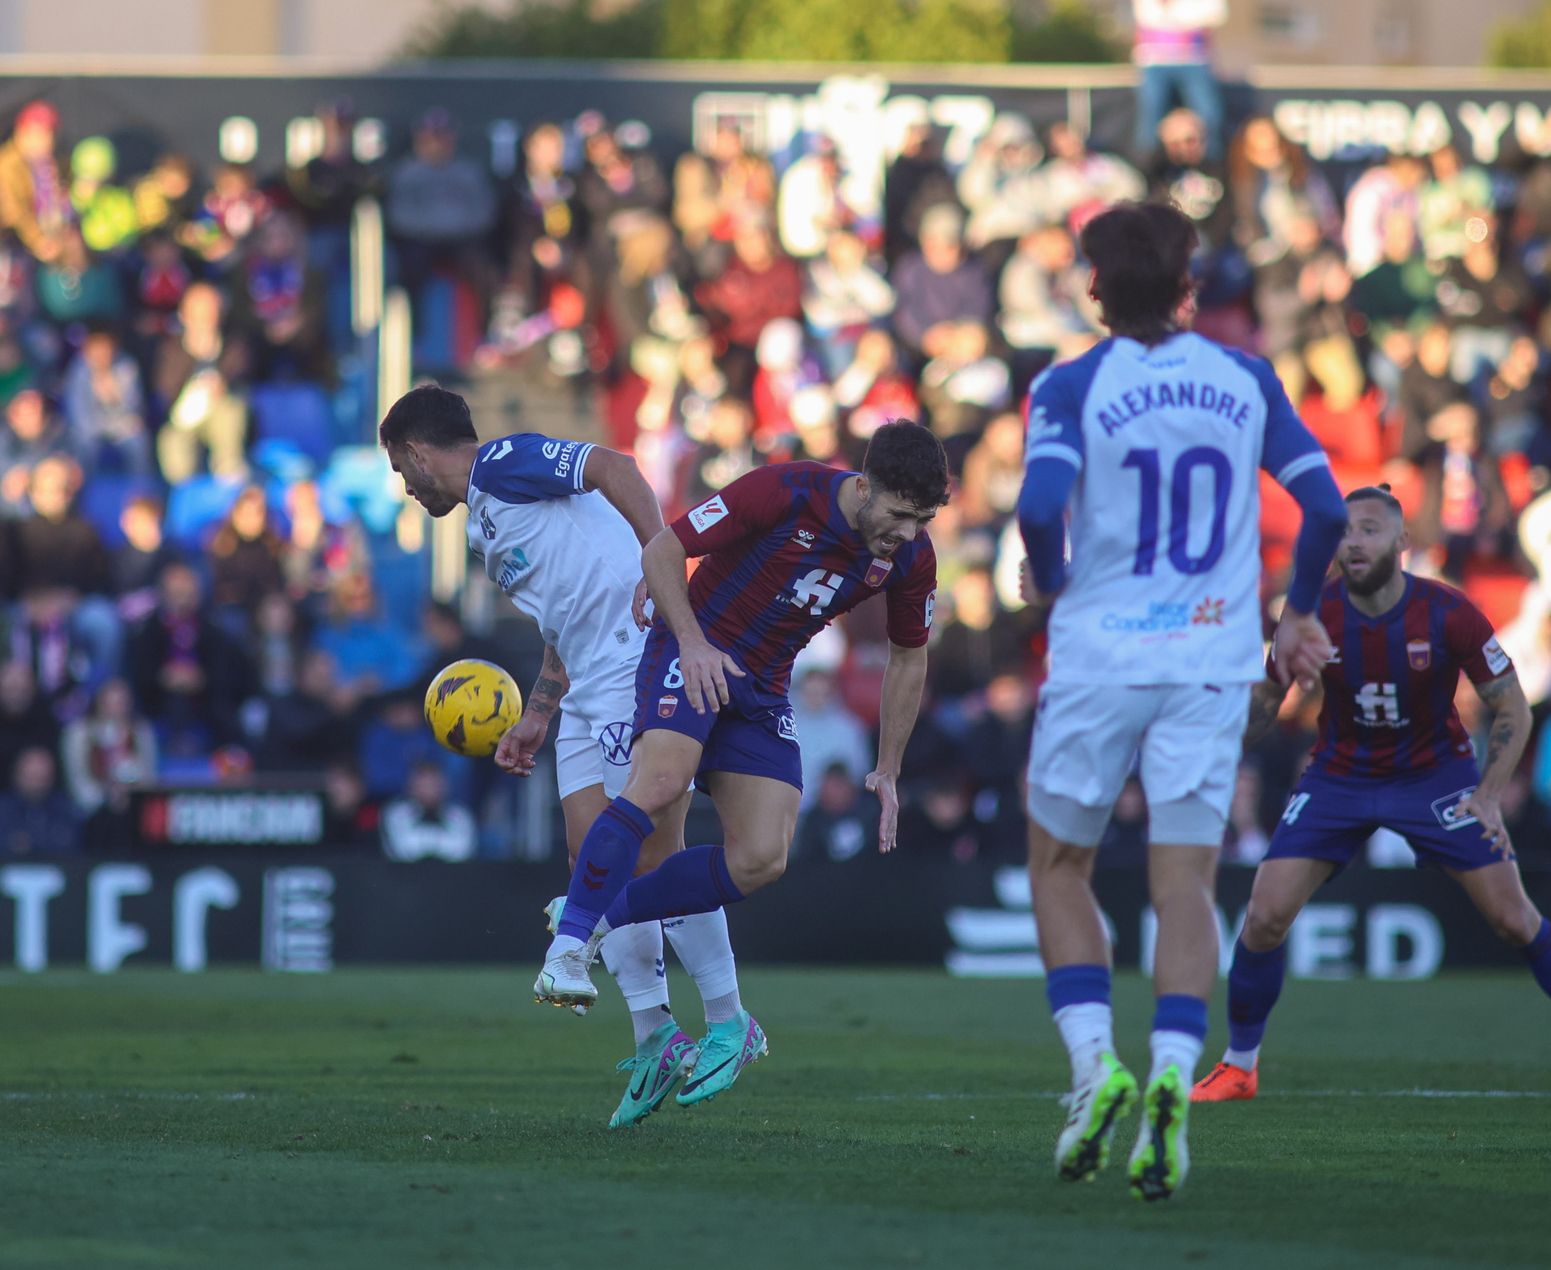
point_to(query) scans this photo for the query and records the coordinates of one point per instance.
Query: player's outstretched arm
(619, 480)
(903, 680)
(1506, 738)
(519, 748)
(705, 668)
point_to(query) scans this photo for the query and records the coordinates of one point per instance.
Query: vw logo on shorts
(615, 743)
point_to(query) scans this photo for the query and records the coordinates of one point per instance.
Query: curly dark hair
(1140, 254)
(428, 415)
(905, 459)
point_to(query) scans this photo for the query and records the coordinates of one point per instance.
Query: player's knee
(655, 792)
(1514, 924)
(755, 868)
(1265, 929)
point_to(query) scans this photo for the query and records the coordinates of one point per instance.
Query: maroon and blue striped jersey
(781, 563)
(1389, 689)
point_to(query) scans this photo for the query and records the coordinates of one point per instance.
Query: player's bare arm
(1265, 703)
(704, 667)
(903, 680)
(1301, 648)
(519, 748)
(619, 480)
(1506, 738)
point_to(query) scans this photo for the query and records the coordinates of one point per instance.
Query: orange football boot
(1227, 1083)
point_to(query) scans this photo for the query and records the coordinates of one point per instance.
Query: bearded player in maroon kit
(1391, 753)
(788, 549)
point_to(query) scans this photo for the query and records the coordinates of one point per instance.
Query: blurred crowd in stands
(200, 578)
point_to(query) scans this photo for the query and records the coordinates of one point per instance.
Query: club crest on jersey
(1419, 653)
(708, 513)
(486, 525)
(666, 706)
(1208, 613)
(878, 572)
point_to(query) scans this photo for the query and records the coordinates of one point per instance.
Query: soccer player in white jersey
(559, 526)
(1155, 439)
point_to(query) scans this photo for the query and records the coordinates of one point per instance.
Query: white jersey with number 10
(1164, 529)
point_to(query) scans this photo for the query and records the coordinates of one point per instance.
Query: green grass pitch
(439, 1118)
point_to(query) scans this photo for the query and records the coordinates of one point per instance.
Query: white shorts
(1086, 739)
(592, 746)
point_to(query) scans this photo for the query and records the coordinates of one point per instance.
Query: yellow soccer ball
(469, 706)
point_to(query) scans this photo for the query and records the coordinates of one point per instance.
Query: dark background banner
(296, 911)
(269, 118)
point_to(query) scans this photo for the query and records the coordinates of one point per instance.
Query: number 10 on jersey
(1149, 467)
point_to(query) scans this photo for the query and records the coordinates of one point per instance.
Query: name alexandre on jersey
(1144, 398)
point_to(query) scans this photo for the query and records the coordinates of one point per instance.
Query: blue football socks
(695, 880)
(603, 865)
(1254, 983)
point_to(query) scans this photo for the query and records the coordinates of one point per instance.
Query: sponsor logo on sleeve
(486, 525)
(1496, 658)
(1419, 654)
(708, 513)
(551, 450)
(931, 610)
(1447, 810)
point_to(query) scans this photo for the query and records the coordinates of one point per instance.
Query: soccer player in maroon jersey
(787, 549)
(1391, 753)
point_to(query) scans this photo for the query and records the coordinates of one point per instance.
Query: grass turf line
(391, 1118)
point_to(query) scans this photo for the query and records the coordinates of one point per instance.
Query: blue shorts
(1332, 817)
(754, 734)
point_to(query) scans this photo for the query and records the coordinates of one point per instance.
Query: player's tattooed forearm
(1504, 731)
(1494, 691)
(547, 691)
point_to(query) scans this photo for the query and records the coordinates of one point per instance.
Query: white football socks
(633, 955)
(703, 946)
(1179, 1049)
(1089, 1032)
(1242, 1058)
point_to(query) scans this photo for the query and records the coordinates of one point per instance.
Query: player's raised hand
(705, 670)
(882, 784)
(519, 747)
(1488, 811)
(643, 597)
(1300, 648)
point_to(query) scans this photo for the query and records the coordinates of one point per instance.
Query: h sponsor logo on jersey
(878, 572)
(1419, 654)
(486, 525)
(511, 568)
(615, 741)
(1208, 613)
(1449, 812)
(1496, 659)
(786, 726)
(1380, 706)
(815, 591)
(803, 539)
(708, 513)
